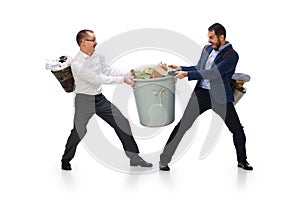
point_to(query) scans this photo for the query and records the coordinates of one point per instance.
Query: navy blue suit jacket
(219, 75)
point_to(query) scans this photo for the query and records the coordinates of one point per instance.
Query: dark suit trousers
(88, 105)
(200, 102)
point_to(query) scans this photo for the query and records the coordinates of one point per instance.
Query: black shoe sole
(137, 165)
(66, 168)
(164, 169)
(245, 168)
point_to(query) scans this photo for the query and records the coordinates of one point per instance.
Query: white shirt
(90, 72)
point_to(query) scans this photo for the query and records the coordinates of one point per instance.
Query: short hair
(218, 28)
(82, 34)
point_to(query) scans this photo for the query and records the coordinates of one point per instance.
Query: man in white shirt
(90, 71)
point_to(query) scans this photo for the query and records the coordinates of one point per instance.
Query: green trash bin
(155, 100)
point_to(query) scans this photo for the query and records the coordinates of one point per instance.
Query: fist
(128, 81)
(175, 67)
(181, 74)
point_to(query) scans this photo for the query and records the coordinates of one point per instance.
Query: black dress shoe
(163, 167)
(138, 161)
(245, 165)
(66, 166)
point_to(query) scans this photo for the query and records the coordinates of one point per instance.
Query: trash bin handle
(156, 92)
(159, 92)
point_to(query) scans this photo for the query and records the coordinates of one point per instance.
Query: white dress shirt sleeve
(88, 75)
(110, 71)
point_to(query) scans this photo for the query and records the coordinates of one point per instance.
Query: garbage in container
(149, 72)
(237, 81)
(61, 69)
(154, 92)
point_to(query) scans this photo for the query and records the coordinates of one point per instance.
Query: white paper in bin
(238, 94)
(239, 91)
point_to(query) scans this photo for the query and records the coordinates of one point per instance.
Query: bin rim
(153, 79)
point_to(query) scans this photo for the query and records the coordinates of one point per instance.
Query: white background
(36, 114)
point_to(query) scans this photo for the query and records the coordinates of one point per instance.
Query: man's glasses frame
(93, 40)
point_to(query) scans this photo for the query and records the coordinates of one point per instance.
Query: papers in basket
(58, 64)
(149, 72)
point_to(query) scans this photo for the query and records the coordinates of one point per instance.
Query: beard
(217, 45)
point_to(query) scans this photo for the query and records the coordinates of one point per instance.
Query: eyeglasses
(93, 40)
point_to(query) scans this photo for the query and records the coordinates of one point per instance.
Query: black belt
(99, 95)
(203, 89)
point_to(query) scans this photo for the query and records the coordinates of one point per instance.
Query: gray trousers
(85, 107)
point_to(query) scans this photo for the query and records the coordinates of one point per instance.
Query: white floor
(212, 178)
(31, 169)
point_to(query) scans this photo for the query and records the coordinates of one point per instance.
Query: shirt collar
(223, 47)
(85, 55)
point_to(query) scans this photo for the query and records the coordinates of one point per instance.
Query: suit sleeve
(223, 67)
(188, 69)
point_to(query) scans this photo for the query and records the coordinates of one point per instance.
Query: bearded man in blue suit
(213, 91)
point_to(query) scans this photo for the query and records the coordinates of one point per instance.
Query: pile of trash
(58, 64)
(150, 72)
(61, 69)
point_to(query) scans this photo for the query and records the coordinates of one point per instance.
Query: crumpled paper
(149, 72)
(58, 64)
